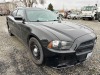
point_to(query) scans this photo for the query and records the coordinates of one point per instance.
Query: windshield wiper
(37, 21)
(53, 20)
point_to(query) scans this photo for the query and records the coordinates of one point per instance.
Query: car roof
(30, 8)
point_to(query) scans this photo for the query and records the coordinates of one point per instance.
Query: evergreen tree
(50, 7)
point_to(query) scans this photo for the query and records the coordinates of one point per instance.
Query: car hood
(65, 30)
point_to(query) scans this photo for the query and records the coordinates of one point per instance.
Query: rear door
(11, 21)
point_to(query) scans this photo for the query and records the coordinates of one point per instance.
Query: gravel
(15, 58)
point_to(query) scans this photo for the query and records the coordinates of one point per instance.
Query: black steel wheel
(36, 51)
(10, 32)
(99, 19)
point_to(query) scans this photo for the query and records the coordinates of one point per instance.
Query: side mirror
(19, 18)
(59, 19)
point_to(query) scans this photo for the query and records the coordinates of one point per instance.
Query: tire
(90, 18)
(10, 33)
(83, 18)
(99, 19)
(75, 18)
(36, 51)
(95, 17)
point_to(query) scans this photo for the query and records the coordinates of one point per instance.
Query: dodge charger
(47, 37)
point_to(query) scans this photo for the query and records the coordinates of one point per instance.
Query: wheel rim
(35, 51)
(9, 30)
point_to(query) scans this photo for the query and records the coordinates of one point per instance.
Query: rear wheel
(99, 19)
(9, 30)
(84, 18)
(36, 51)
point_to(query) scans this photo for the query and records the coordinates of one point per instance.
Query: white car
(98, 15)
(89, 12)
(73, 16)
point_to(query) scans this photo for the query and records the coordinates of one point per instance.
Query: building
(6, 7)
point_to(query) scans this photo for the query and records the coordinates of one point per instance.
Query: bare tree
(15, 2)
(42, 1)
(28, 3)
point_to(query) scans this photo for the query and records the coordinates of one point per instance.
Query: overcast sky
(69, 4)
(72, 4)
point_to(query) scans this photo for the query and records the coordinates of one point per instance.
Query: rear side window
(14, 13)
(20, 13)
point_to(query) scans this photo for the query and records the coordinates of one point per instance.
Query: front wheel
(99, 19)
(36, 51)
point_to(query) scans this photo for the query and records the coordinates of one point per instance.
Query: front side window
(20, 13)
(41, 15)
(88, 8)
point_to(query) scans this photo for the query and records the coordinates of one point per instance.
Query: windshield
(41, 15)
(88, 8)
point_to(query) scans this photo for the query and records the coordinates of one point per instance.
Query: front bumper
(77, 53)
(65, 60)
(87, 16)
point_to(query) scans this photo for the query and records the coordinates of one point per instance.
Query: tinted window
(14, 13)
(20, 13)
(41, 15)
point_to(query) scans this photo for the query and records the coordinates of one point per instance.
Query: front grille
(85, 46)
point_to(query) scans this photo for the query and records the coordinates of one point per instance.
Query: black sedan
(48, 37)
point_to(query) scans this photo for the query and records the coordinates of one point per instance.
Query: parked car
(65, 42)
(98, 14)
(89, 12)
(73, 16)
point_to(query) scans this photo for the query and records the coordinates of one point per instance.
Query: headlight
(59, 45)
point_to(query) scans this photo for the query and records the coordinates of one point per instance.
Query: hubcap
(36, 52)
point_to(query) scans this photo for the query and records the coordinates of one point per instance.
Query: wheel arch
(30, 36)
(7, 22)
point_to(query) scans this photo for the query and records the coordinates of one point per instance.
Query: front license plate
(89, 55)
